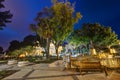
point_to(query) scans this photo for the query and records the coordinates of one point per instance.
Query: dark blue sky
(105, 12)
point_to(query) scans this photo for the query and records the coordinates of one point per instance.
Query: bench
(90, 67)
(111, 64)
(87, 66)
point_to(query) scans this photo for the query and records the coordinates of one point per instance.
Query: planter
(22, 63)
(10, 62)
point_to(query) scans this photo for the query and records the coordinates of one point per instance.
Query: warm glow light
(22, 55)
(60, 49)
(93, 51)
(52, 49)
(112, 50)
(102, 55)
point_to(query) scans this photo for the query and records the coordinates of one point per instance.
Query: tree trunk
(56, 48)
(47, 49)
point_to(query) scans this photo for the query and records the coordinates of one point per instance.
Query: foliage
(1, 50)
(34, 58)
(98, 34)
(28, 40)
(4, 16)
(14, 45)
(63, 20)
(17, 52)
(56, 23)
(75, 38)
(44, 27)
(31, 40)
(65, 17)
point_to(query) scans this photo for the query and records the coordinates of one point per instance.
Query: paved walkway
(51, 72)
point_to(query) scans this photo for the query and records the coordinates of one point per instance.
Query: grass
(6, 73)
(3, 61)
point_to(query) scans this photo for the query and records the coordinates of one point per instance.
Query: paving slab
(54, 78)
(98, 76)
(114, 76)
(18, 75)
(5, 66)
(44, 73)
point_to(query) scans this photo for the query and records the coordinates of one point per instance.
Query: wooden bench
(111, 64)
(90, 67)
(87, 66)
(74, 64)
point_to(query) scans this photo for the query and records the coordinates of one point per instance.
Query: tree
(29, 40)
(1, 50)
(66, 18)
(96, 35)
(4, 16)
(14, 45)
(44, 27)
(55, 23)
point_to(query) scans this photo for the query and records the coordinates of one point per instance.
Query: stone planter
(22, 63)
(10, 62)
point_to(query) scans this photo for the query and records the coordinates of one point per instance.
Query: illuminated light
(110, 56)
(119, 42)
(52, 49)
(38, 50)
(60, 49)
(112, 50)
(22, 55)
(102, 55)
(93, 51)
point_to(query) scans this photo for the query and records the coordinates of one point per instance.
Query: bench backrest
(89, 65)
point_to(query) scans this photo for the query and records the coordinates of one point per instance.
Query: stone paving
(48, 72)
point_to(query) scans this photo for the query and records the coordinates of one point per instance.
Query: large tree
(56, 23)
(66, 18)
(44, 27)
(5, 16)
(96, 35)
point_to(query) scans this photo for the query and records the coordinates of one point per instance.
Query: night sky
(105, 12)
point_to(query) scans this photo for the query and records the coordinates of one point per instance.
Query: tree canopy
(66, 18)
(5, 16)
(14, 44)
(1, 50)
(57, 22)
(98, 34)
